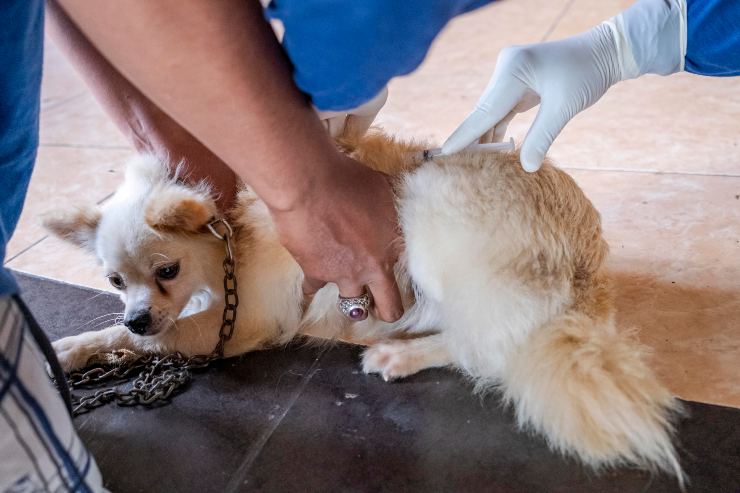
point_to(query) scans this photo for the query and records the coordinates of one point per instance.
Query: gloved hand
(567, 76)
(354, 122)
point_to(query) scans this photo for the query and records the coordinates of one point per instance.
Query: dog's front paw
(72, 353)
(391, 360)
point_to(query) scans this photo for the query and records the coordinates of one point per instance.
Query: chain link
(155, 379)
(231, 297)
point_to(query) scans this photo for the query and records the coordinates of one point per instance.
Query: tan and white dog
(502, 275)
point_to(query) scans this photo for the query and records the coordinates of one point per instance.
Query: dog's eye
(168, 272)
(116, 281)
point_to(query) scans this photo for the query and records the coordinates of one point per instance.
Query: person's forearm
(148, 128)
(218, 70)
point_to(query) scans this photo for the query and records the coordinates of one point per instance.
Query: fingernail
(530, 160)
(530, 167)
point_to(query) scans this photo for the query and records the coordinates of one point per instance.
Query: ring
(357, 308)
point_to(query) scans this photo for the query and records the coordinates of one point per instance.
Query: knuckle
(391, 314)
(515, 53)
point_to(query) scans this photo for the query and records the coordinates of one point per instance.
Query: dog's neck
(270, 280)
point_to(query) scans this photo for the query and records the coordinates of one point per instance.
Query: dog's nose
(139, 322)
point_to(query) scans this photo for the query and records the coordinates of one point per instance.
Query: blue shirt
(713, 37)
(343, 53)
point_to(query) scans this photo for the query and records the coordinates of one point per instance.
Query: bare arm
(148, 128)
(217, 69)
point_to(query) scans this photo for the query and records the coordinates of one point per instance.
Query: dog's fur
(501, 274)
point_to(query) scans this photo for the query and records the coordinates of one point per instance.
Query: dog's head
(153, 242)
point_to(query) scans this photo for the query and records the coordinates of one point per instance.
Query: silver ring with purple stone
(356, 308)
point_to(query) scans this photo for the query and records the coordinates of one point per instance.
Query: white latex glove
(355, 121)
(567, 76)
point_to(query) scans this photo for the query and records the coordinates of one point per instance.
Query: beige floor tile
(584, 14)
(79, 122)
(62, 176)
(56, 259)
(675, 245)
(69, 114)
(680, 123)
(433, 100)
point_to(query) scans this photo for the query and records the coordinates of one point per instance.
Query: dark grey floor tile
(352, 432)
(200, 441)
(64, 309)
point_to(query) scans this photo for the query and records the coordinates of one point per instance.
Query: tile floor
(660, 158)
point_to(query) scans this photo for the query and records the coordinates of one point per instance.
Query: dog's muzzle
(139, 323)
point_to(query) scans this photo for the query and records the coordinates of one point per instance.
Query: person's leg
(148, 128)
(39, 447)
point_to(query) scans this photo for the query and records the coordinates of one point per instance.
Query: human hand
(567, 76)
(353, 122)
(345, 231)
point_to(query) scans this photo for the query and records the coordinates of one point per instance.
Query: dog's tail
(587, 388)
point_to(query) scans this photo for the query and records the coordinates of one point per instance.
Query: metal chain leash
(231, 297)
(156, 378)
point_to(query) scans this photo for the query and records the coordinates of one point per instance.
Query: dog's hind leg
(403, 357)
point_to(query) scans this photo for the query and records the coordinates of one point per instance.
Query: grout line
(651, 172)
(99, 202)
(85, 146)
(57, 104)
(26, 249)
(238, 477)
(557, 20)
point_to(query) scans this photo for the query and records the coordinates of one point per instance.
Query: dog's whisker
(105, 315)
(98, 318)
(95, 296)
(174, 326)
(103, 323)
(200, 330)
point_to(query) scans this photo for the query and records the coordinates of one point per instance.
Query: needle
(491, 147)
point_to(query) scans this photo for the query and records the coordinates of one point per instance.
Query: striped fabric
(39, 448)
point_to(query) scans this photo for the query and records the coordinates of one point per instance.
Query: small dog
(502, 278)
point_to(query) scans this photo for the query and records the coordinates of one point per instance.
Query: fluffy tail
(587, 388)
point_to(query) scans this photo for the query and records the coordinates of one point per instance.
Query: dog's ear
(179, 210)
(77, 226)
